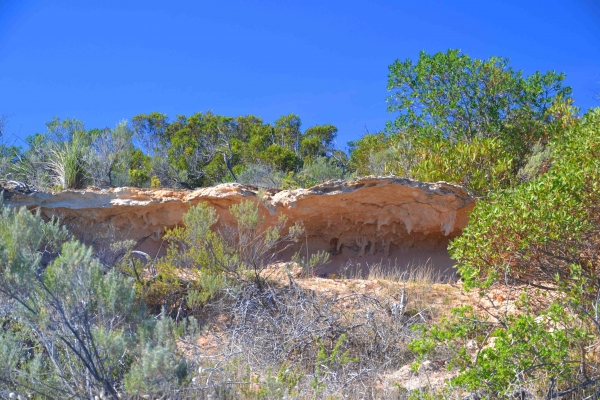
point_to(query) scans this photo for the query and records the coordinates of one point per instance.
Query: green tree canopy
(467, 121)
(206, 148)
(452, 95)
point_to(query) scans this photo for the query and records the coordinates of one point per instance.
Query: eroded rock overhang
(373, 219)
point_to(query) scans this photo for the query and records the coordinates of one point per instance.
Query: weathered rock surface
(395, 221)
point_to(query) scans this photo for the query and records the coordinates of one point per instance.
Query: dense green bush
(453, 96)
(538, 243)
(541, 228)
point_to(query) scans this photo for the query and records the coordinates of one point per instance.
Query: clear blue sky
(104, 61)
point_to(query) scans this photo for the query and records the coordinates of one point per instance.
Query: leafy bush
(482, 165)
(542, 228)
(538, 244)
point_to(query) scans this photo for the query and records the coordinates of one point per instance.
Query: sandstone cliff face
(400, 222)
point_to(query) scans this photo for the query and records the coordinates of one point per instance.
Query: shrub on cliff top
(467, 121)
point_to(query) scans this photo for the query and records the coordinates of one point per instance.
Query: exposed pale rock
(431, 375)
(397, 221)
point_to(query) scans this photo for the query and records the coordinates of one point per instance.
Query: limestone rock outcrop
(373, 219)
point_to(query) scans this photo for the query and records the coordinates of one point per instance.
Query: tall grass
(67, 165)
(413, 272)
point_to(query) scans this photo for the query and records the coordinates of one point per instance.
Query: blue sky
(105, 61)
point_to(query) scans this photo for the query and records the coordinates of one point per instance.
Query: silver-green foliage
(323, 169)
(72, 328)
(240, 252)
(540, 155)
(158, 368)
(261, 175)
(108, 157)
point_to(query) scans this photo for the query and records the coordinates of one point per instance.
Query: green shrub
(155, 182)
(138, 177)
(481, 165)
(540, 228)
(537, 243)
(201, 258)
(72, 327)
(536, 163)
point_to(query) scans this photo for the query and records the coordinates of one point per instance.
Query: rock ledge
(373, 218)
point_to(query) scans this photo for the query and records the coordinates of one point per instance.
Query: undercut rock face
(398, 223)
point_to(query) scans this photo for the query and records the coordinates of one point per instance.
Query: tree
(450, 95)
(203, 149)
(66, 130)
(287, 132)
(317, 141)
(150, 130)
(467, 121)
(225, 148)
(110, 152)
(254, 137)
(195, 141)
